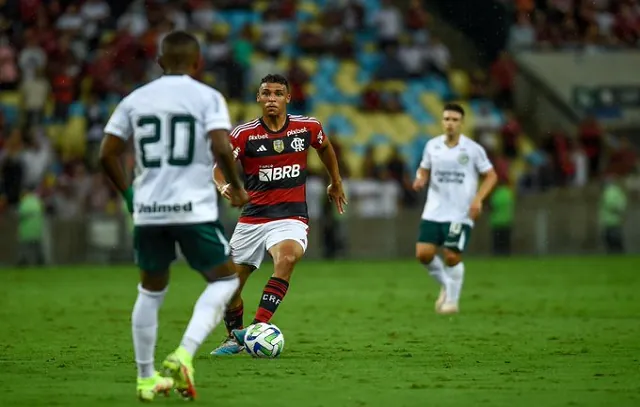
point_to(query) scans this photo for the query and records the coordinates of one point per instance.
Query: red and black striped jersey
(275, 167)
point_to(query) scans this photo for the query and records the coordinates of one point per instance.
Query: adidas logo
(262, 149)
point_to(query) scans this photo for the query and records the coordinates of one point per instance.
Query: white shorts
(250, 241)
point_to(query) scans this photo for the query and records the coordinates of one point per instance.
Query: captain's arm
(329, 159)
(327, 154)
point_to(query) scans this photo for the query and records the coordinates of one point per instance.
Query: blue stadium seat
(341, 125)
(76, 109)
(379, 139)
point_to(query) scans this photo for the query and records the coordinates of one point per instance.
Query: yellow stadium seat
(460, 83)
(525, 145)
(106, 37)
(383, 153)
(354, 161)
(209, 78)
(235, 107)
(10, 98)
(432, 102)
(516, 169)
(73, 142)
(394, 86)
(252, 112)
(370, 47)
(54, 133)
(309, 64)
(310, 89)
(314, 162)
(433, 129)
(309, 7)
(404, 127)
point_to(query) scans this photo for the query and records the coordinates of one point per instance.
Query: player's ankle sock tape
(272, 296)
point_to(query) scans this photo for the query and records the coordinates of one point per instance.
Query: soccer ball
(264, 340)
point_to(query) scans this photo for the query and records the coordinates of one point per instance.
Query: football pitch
(532, 332)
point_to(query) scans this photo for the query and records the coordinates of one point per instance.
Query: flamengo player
(451, 165)
(273, 152)
(178, 126)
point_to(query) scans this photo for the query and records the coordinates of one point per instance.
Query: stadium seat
(459, 82)
(432, 103)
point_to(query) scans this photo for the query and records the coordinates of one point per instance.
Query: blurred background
(551, 89)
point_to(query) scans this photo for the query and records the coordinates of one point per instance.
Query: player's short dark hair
(179, 40)
(275, 78)
(453, 107)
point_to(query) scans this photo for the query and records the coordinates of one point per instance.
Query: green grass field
(553, 332)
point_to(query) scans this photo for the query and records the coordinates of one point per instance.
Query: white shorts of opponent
(249, 241)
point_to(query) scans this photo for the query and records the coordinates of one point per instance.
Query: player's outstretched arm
(335, 191)
(223, 154)
(111, 151)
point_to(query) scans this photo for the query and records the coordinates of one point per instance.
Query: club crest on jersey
(463, 158)
(278, 146)
(297, 144)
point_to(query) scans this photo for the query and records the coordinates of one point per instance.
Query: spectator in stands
(388, 24)
(522, 34)
(627, 24)
(478, 85)
(502, 205)
(486, 125)
(64, 92)
(398, 171)
(390, 66)
(503, 72)
(30, 229)
(96, 118)
(417, 19)
(624, 158)
(438, 57)
(590, 136)
(8, 68)
(71, 21)
(613, 205)
(510, 135)
(36, 158)
(412, 55)
(298, 79)
(371, 170)
(371, 98)
(218, 59)
(32, 58)
(352, 15)
(3, 131)
(34, 93)
(273, 34)
(65, 202)
(557, 147)
(12, 168)
(580, 164)
(391, 102)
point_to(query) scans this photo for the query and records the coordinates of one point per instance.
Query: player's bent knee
(154, 281)
(452, 258)
(425, 253)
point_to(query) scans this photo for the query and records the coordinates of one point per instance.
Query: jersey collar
(461, 142)
(284, 127)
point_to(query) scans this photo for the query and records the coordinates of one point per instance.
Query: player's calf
(286, 255)
(454, 271)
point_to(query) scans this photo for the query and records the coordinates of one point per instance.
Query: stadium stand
(370, 70)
